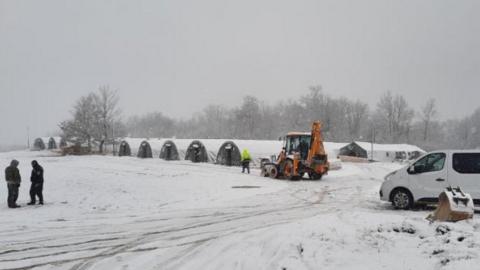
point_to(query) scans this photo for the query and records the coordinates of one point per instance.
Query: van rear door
(466, 172)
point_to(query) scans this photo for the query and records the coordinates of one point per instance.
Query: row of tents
(49, 143)
(224, 152)
(228, 152)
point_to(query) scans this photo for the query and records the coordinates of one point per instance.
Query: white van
(429, 175)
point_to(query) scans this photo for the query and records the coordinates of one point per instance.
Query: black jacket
(37, 174)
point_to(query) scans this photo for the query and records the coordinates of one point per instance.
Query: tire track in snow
(287, 212)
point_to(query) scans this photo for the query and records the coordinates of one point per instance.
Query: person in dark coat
(12, 176)
(36, 188)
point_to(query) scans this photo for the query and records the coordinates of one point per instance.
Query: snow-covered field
(128, 213)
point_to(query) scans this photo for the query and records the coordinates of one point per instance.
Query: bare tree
(83, 127)
(106, 104)
(356, 115)
(246, 117)
(428, 113)
(393, 117)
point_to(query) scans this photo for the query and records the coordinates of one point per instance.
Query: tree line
(96, 119)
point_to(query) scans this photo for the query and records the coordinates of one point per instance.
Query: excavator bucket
(453, 205)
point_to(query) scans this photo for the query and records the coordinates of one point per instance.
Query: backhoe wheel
(288, 171)
(273, 172)
(315, 176)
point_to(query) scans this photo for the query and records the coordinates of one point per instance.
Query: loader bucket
(453, 205)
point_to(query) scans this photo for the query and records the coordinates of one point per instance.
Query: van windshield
(430, 163)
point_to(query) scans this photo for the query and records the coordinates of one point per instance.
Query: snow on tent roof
(260, 148)
(59, 141)
(150, 148)
(333, 148)
(156, 145)
(212, 146)
(133, 143)
(390, 147)
(181, 145)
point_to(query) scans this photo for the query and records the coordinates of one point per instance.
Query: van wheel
(402, 199)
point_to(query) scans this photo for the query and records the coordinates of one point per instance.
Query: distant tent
(414, 154)
(52, 144)
(229, 154)
(169, 151)
(196, 152)
(353, 150)
(124, 149)
(39, 144)
(145, 150)
(62, 142)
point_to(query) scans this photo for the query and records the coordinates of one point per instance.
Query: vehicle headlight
(387, 177)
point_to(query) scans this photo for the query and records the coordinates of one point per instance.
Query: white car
(429, 175)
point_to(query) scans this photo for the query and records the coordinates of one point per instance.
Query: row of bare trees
(96, 119)
(392, 120)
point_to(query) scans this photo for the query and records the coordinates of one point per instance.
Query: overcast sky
(178, 56)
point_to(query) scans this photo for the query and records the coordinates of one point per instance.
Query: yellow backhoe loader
(303, 153)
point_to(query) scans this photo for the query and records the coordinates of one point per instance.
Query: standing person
(37, 183)
(245, 159)
(12, 176)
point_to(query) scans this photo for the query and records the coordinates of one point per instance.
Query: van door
(428, 176)
(466, 173)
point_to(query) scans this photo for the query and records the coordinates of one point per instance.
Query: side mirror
(417, 168)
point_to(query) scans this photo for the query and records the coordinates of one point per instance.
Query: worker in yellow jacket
(245, 159)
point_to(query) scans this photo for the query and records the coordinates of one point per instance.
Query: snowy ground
(127, 213)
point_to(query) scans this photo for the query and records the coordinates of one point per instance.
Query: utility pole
(373, 142)
(28, 137)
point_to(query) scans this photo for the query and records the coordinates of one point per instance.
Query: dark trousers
(12, 194)
(36, 190)
(246, 165)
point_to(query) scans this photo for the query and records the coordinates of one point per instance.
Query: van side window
(430, 163)
(466, 163)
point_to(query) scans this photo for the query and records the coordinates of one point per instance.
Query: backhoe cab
(303, 153)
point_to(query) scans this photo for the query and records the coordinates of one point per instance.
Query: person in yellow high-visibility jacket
(245, 159)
